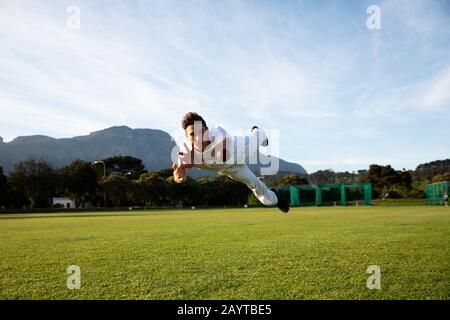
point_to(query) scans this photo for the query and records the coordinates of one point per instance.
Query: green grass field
(310, 253)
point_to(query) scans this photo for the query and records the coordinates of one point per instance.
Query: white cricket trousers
(243, 174)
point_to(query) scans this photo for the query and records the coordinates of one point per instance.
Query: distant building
(63, 202)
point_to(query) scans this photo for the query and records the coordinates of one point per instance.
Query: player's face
(195, 136)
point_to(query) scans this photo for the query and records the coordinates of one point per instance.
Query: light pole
(104, 175)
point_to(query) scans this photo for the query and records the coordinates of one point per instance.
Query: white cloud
(82, 75)
(437, 93)
(144, 64)
(419, 16)
(405, 104)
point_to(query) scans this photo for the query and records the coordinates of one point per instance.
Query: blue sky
(342, 96)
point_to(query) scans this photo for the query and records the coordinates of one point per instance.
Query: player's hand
(179, 173)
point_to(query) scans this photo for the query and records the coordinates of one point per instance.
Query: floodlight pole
(104, 175)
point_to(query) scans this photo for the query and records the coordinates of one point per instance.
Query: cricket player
(215, 150)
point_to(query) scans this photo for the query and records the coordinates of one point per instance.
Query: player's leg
(262, 193)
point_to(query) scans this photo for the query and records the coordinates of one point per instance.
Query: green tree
(232, 192)
(151, 189)
(292, 180)
(3, 189)
(117, 188)
(329, 176)
(323, 176)
(165, 173)
(385, 179)
(418, 189)
(429, 170)
(35, 180)
(346, 177)
(122, 165)
(406, 179)
(221, 191)
(442, 177)
(183, 194)
(79, 181)
(211, 191)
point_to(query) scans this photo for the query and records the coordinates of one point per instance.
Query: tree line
(122, 181)
(388, 182)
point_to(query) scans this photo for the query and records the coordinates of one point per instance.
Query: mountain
(152, 146)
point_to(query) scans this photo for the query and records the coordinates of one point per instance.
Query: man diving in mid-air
(211, 149)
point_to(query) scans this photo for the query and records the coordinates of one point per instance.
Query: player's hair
(189, 119)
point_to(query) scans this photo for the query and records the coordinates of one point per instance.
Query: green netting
(295, 197)
(308, 196)
(356, 192)
(303, 196)
(435, 192)
(367, 194)
(330, 194)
